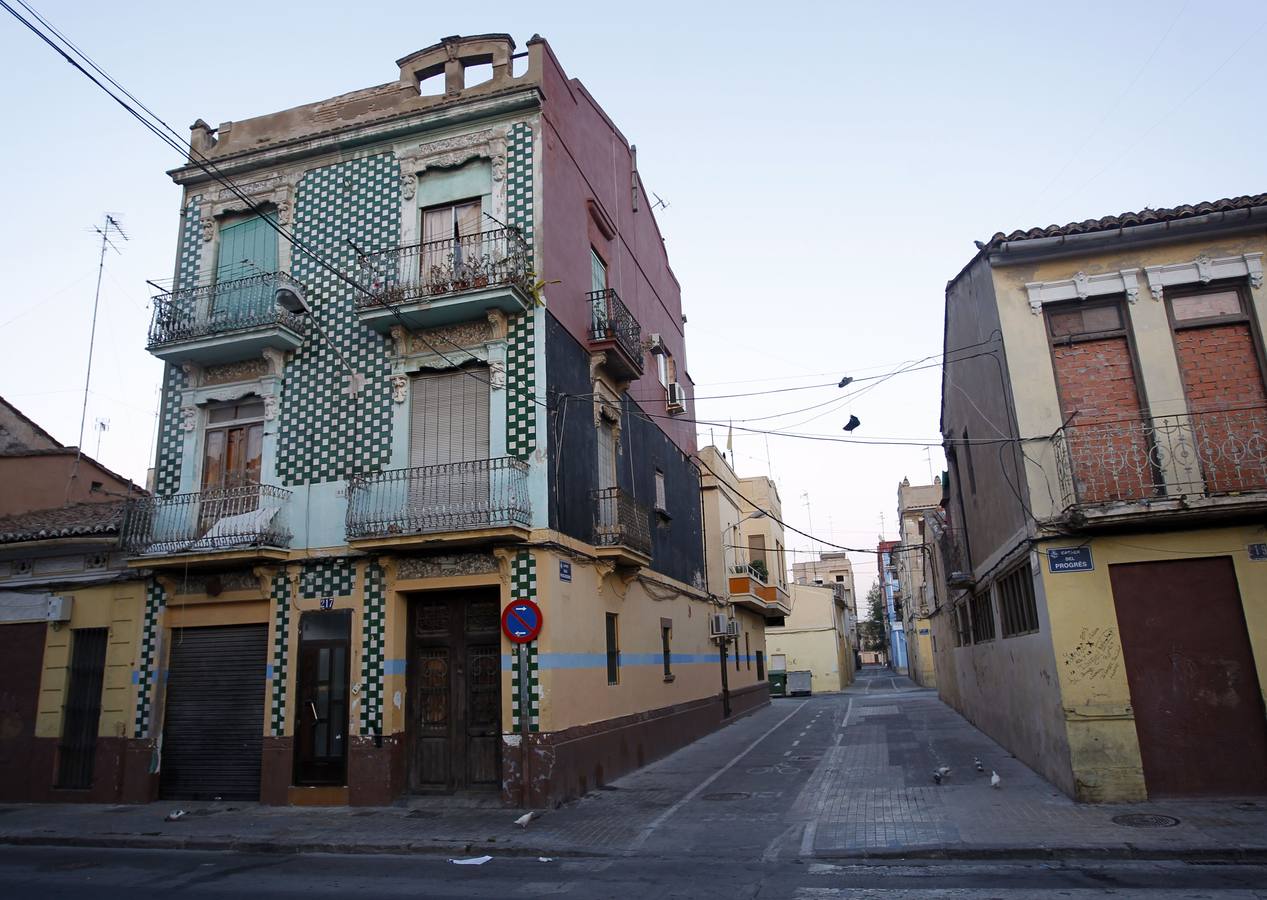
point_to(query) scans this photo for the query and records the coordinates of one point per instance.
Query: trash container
(778, 684)
(798, 683)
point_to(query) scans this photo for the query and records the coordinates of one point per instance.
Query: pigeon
(523, 820)
(976, 761)
(174, 815)
(994, 779)
(940, 773)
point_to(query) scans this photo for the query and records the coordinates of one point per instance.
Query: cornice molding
(1203, 270)
(1081, 286)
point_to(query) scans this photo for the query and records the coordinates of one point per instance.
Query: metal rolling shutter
(449, 417)
(214, 721)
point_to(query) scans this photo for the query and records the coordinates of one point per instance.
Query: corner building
(462, 383)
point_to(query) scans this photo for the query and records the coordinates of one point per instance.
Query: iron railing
(610, 320)
(450, 266)
(253, 515)
(211, 309)
(954, 559)
(621, 521)
(1198, 454)
(461, 496)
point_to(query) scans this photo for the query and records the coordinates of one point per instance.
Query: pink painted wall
(584, 157)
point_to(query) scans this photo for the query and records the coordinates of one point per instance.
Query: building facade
(831, 567)
(425, 361)
(1103, 610)
(816, 637)
(70, 614)
(914, 584)
(887, 553)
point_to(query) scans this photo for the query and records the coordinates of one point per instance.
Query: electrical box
(59, 608)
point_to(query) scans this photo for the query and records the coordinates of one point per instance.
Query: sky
(824, 171)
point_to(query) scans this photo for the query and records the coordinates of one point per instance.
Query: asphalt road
(54, 874)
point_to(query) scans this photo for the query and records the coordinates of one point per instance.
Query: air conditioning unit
(718, 625)
(655, 344)
(677, 397)
(732, 628)
(59, 608)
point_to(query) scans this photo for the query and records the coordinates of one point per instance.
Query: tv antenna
(659, 202)
(110, 229)
(102, 426)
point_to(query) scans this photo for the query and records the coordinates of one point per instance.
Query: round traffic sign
(521, 621)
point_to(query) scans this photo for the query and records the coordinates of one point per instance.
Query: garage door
(214, 721)
(22, 649)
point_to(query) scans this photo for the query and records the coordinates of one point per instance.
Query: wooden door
(1194, 687)
(22, 649)
(455, 692)
(321, 730)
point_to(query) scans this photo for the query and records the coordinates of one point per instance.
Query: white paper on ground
(473, 861)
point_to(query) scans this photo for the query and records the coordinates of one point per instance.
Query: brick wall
(1224, 388)
(1108, 452)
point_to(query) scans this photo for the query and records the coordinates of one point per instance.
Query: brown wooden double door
(454, 689)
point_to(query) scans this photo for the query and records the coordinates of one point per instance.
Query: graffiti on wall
(1097, 656)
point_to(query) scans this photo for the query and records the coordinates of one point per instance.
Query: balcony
(749, 588)
(235, 523)
(225, 321)
(622, 529)
(1193, 466)
(614, 331)
(454, 503)
(439, 282)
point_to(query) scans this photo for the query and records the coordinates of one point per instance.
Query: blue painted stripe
(136, 677)
(558, 661)
(268, 671)
(393, 667)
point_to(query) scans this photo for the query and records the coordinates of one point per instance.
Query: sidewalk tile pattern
(523, 586)
(521, 378)
(326, 434)
(328, 578)
(280, 597)
(372, 630)
(154, 602)
(170, 436)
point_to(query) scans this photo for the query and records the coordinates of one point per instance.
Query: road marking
(870, 681)
(848, 711)
(794, 743)
(787, 752)
(807, 839)
(772, 849)
(703, 785)
(893, 681)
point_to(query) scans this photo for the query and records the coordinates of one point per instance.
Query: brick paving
(846, 775)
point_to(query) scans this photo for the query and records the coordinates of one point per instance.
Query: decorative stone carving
(446, 566)
(400, 384)
(497, 375)
(244, 370)
(283, 212)
(219, 582)
(188, 418)
(1203, 269)
(408, 185)
(274, 361)
(208, 228)
(497, 320)
(443, 339)
(1081, 286)
(270, 407)
(451, 152)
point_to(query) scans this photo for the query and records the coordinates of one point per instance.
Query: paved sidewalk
(835, 776)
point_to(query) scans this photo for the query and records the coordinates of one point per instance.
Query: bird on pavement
(994, 779)
(940, 773)
(523, 820)
(976, 761)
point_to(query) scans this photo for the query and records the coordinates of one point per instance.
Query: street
(824, 796)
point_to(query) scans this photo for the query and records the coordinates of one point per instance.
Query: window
(233, 444)
(661, 504)
(778, 662)
(1221, 305)
(662, 368)
(1017, 609)
(781, 557)
(756, 549)
(450, 234)
(1086, 321)
(982, 617)
(840, 578)
(666, 635)
(598, 272)
(760, 665)
(747, 650)
(613, 651)
(963, 626)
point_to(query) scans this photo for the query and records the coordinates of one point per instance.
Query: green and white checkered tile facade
(521, 357)
(170, 439)
(523, 586)
(372, 634)
(327, 434)
(154, 602)
(279, 596)
(327, 578)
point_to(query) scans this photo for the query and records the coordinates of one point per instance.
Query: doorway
(1190, 668)
(454, 685)
(321, 748)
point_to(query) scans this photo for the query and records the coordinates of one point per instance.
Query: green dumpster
(778, 684)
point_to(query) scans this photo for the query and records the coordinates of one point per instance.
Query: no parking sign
(521, 621)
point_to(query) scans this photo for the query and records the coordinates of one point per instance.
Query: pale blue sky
(827, 168)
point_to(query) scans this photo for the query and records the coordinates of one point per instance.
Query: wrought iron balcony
(225, 320)
(249, 517)
(954, 559)
(1198, 455)
(614, 329)
(432, 500)
(622, 523)
(446, 281)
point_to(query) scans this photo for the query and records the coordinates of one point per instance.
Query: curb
(1248, 855)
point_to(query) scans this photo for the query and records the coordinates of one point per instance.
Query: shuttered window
(606, 456)
(449, 418)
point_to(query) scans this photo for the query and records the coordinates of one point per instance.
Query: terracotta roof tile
(76, 520)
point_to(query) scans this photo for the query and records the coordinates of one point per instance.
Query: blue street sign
(565, 570)
(1258, 551)
(1070, 559)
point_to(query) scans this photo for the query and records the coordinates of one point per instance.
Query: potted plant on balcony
(759, 569)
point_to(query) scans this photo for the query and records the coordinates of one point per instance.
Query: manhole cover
(801, 758)
(733, 795)
(1146, 820)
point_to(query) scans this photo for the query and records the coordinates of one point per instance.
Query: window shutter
(449, 418)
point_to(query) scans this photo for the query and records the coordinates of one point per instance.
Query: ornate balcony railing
(954, 559)
(621, 521)
(450, 266)
(211, 309)
(610, 320)
(1198, 455)
(234, 518)
(485, 493)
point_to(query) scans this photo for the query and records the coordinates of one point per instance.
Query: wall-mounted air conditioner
(718, 625)
(655, 344)
(677, 397)
(732, 628)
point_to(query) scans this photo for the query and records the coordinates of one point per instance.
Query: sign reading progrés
(1070, 559)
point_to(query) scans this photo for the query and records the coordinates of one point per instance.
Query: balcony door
(247, 248)
(450, 243)
(608, 512)
(449, 449)
(233, 447)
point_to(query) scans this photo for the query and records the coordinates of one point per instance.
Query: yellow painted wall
(1096, 699)
(118, 607)
(919, 649)
(811, 639)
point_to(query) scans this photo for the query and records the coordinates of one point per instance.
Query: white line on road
(772, 849)
(703, 785)
(893, 681)
(848, 711)
(794, 743)
(787, 752)
(807, 839)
